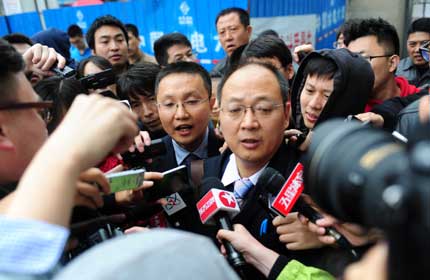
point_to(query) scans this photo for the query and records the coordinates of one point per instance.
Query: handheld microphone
(289, 198)
(218, 206)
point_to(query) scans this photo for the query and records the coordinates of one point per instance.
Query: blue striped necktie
(241, 188)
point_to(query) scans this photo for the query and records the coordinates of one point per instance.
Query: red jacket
(405, 90)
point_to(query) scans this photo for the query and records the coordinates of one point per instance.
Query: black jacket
(391, 108)
(353, 82)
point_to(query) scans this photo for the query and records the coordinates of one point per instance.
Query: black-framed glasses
(370, 57)
(42, 107)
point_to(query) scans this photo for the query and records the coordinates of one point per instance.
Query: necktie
(241, 188)
(191, 157)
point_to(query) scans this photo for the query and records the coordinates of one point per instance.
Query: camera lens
(348, 166)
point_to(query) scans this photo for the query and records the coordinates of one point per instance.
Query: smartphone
(137, 158)
(125, 180)
(98, 80)
(174, 180)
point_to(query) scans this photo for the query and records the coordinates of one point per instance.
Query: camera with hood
(378, 183)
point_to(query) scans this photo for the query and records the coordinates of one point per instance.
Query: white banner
(294, 30)
(12, 7)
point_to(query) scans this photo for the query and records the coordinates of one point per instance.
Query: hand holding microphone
(289, 198)
(218, 206)
(253, 251)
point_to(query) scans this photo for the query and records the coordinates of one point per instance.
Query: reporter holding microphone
(271, 264)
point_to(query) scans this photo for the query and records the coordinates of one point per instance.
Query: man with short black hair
(173, 47)
(377, 41)
(135, 54)
(272, 50)
(232, 25)
(107, 37)
(79, 49)
(183, 93)
(138, 86)
(414, 66)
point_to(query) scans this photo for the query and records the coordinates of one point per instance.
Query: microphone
(289, 198)
(218, 206)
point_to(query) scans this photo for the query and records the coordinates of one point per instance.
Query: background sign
(294, 30)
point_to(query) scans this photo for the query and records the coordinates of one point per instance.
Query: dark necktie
(191, 157)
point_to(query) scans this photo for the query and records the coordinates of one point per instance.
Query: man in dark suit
(183, 95)
(254, 112)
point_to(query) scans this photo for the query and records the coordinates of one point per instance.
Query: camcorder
(362, 175)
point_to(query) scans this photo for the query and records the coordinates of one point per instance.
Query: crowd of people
(61, 135)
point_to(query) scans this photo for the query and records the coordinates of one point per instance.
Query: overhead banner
(294, 30)
(193, 18)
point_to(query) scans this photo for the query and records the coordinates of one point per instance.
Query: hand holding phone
(174, 180)
(126, 180)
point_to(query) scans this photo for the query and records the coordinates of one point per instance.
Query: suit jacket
(187, 218)
(259, 223)
(168, 161)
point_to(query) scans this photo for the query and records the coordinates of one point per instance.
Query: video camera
(363, 175)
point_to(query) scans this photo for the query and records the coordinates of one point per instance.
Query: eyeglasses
(370, 57)
(424, 51)
(43, 108)
(188, 105)
(260, 110)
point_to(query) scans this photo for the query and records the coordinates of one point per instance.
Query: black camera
(363, 175)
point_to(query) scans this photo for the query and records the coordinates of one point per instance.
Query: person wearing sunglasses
(414, 66)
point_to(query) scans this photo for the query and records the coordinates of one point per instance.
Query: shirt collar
(408, 65)
(231, 173)
(201, 151)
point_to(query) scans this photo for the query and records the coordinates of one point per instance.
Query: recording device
(174, 181)
(380, 183)
(300, 138)
(66, 72)
(137, 159)
(289, 198)
(98, 80)
(94, 231)
(125, 180)
(218, 206)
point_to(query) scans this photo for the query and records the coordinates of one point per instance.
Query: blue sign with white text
(194, 18)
